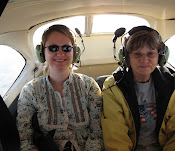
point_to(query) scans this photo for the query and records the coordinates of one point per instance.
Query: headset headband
(139, 28)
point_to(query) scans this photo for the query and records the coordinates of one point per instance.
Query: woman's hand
(34, 149)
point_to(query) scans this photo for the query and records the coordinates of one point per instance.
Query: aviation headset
(124, 55)
(58, 28)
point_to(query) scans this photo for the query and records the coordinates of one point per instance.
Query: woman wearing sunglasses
(67, 103)
(139, 99)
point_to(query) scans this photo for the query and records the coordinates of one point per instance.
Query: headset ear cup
(127, 61)
(123, 57)
(40, 53)
(164, 57)
(77, 53)
(120, 56)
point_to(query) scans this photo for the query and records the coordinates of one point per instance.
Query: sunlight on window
(11, 65)
(171, 46)
(110, 23)
(72, 23)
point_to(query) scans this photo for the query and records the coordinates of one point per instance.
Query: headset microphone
(119, 32)
(79, 33)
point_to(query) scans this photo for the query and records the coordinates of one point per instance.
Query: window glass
(72, 23)
(11, 65)
(171, 46)
(110, 23)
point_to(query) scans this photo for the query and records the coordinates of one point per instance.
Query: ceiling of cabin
(23, 14)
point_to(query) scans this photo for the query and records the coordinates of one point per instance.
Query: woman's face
(59, 60)
(143, 62)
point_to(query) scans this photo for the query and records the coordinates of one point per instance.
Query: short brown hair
(141, 38)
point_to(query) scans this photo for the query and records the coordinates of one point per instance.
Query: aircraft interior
(22, 23)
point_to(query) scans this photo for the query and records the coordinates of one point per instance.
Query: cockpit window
(11, 65)
(109, 23)
(95, 24)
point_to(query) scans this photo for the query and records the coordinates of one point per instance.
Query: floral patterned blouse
(75, 116)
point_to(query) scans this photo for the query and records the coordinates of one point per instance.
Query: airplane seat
(13, 108)
(9, 136)
(100, 80)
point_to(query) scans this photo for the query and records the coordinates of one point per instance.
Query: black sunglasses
(54, 48)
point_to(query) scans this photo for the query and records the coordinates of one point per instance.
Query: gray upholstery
(100, 80)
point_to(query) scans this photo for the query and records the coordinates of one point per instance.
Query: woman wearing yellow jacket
(139, 99)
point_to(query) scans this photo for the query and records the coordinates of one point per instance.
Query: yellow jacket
(120, 120)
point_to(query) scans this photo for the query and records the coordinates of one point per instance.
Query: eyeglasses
(138, 55)
(54, 48)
